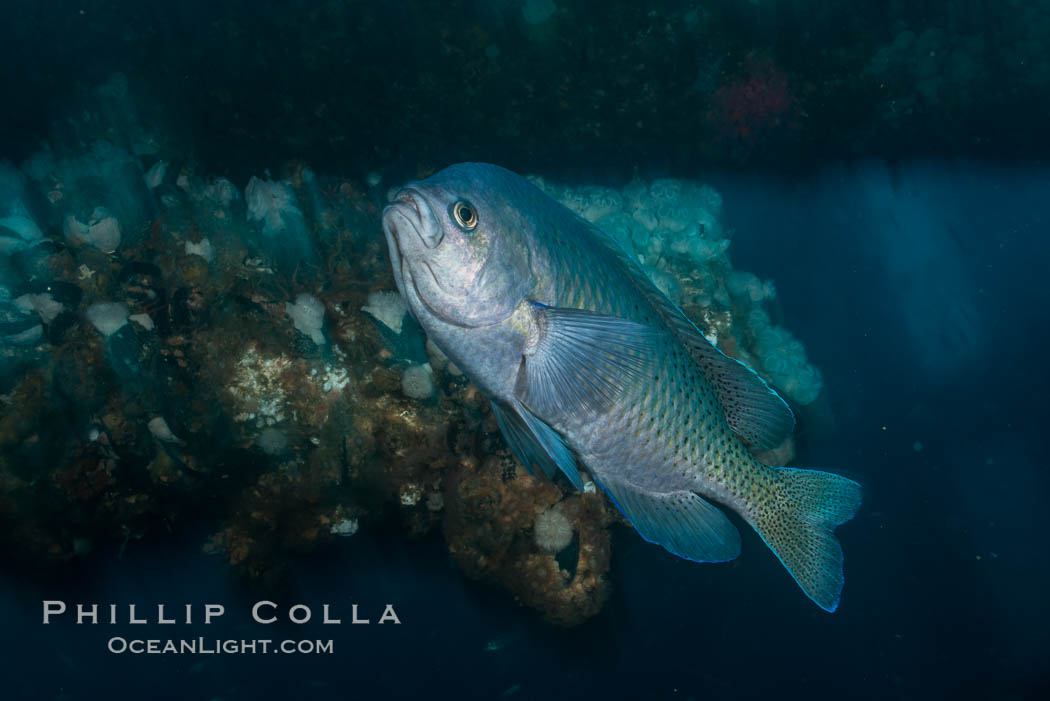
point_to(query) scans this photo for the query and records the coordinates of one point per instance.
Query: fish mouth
(410, 209)
(396, 217)
(407, 221)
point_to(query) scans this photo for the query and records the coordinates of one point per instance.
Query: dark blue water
(919, 292)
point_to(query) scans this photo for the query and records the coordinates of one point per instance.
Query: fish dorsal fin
(682, 522)
(753, 410)
(581, 361)
(535, 443)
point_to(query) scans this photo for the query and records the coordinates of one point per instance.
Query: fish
(588, 366)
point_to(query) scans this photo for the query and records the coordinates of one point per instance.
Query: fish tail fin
(798, 523)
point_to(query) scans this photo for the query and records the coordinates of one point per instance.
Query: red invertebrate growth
(757, 104)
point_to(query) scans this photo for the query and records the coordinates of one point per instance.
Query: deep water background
(917, 283)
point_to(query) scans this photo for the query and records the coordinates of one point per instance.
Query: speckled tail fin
(798, 527)
(682, 522)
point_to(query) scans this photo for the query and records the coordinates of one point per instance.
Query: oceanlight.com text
(214, 646)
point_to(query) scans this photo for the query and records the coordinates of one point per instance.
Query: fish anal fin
(684, 523)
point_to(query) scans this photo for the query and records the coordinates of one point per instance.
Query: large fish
(587, 364)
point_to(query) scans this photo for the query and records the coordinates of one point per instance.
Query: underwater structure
(182, 349)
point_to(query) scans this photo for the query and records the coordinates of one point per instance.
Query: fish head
(457, 246)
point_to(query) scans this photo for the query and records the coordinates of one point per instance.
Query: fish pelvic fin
(535, 443)
(798, 525)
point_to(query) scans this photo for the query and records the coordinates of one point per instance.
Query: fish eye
(465, 215)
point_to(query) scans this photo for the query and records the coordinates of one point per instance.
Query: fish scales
(656, 418)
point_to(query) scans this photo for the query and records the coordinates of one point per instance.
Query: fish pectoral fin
(535, 443)
(582, 360)
(683, 522)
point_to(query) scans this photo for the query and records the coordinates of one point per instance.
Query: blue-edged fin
(754, 411)
(581, 361)
(682, 522)
(799, 527)
(536, 444)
